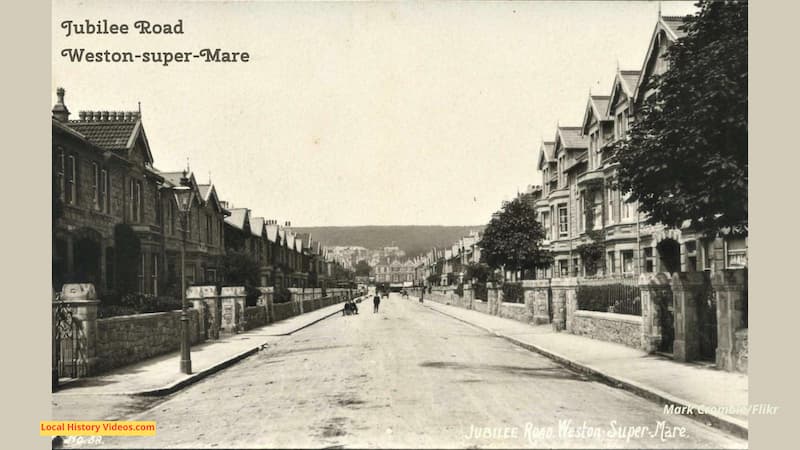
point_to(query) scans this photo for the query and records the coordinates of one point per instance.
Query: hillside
(414, 239)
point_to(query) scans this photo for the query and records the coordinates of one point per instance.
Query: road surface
(408, 377)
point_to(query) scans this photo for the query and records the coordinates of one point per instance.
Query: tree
(238, 268)
(686, 154)
(480, 272)
(513, 237)
(363, 268)
(342, 274)
(127, 257)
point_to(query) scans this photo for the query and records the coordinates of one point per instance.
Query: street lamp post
(183, 195)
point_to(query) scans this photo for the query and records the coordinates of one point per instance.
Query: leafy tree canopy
(513, 239)
(363, 268)
(686, 154)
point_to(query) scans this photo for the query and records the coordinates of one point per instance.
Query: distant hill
(414, 239)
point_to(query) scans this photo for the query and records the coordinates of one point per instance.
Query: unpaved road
(406, 377)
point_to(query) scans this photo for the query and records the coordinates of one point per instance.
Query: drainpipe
(638, 244)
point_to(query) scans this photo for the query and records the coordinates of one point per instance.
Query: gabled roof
(239, 218)
(628, 79)
(666, 26)
(571, 138)
(209, 195)
(624, 83)
(172, 179)
(674, 25)
(61, 127)
(596, 106)
(116, 135)
(272, 232)
(545, 153)
(257, 226)
(305, 239)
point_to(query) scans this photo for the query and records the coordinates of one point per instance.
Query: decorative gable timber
(666, 31)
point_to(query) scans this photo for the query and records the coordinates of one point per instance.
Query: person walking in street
(376, 301)
(421, 294)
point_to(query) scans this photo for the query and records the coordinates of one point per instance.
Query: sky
(359, 113)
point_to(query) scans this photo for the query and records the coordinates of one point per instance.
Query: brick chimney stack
(60, 111)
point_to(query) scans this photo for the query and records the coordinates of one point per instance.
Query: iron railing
(615, 295)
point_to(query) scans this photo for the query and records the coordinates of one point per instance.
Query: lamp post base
(186, 366)
(186, 357)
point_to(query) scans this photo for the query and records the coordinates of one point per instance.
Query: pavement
(654, 377)
(160, 375)
(407, 377)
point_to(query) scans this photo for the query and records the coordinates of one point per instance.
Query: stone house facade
(104, 179)
(577, 193)
(104, 175)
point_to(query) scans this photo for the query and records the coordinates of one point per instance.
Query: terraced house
(579, 204)
(110, 197)
(108, 187)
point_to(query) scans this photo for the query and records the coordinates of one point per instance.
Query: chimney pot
(104, 116)
(82, 115)
(96, 116)
(60, 110)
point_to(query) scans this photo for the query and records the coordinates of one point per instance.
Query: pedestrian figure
(376, 301)
(421, 294)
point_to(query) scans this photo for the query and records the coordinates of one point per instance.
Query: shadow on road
(534, 372)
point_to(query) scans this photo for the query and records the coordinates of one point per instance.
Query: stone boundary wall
(481, 306)
(618, 328)
(124, 340)
(254, 317)
(515, 311)
(285, 310)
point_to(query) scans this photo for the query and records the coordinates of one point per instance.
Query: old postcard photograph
(400, 225)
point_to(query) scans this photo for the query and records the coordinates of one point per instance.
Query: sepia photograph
(281, 225)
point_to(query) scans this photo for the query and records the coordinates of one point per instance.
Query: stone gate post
(688, 288)
(197, 295)
(469, 295)
(265, 299)
(655, 290)
(232, 300)
(731, 291)
(564, 298)
(539, 292)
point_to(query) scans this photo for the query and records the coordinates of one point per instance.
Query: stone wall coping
(232, 291)
(481, 301)
(78, 291)
(198, 292)
(564, 282)
(514, 305)
(265, 290)
(535, 283)
(609, 316)
(142, 316)
(76, 302)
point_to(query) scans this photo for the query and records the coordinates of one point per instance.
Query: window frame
(95, 186)
(563, 226)
(71, 181)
